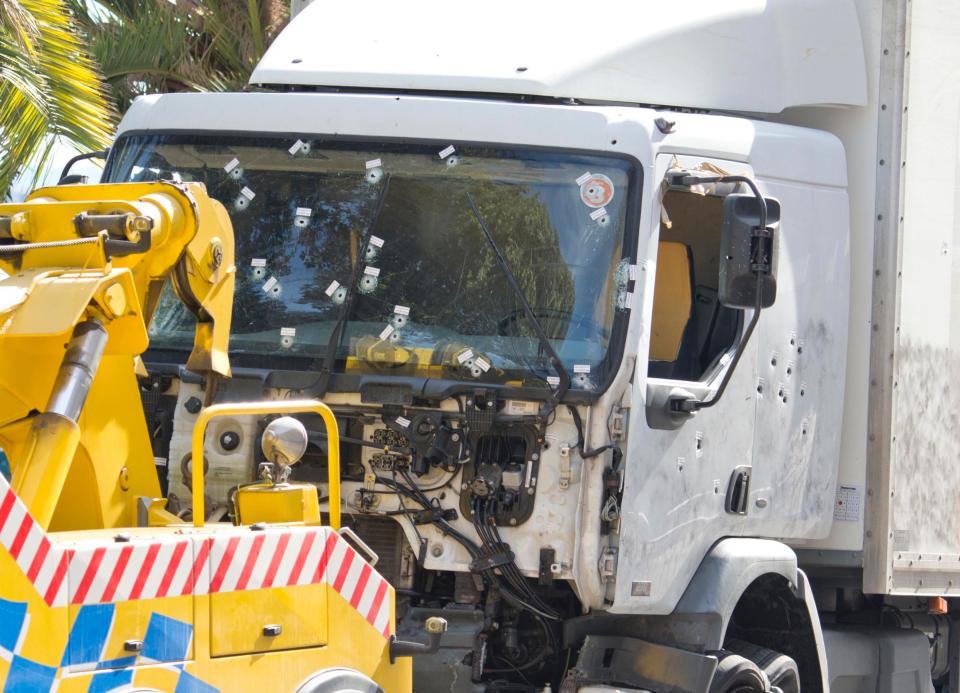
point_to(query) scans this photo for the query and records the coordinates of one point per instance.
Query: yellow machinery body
(268, 502)
(101, 587)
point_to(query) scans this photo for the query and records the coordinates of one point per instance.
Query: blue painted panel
(167, 639)
(12, 615)
(89, 634)
(109, 680)
(188, 683)
(26, 676)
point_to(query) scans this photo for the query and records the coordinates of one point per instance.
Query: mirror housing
(748, 254)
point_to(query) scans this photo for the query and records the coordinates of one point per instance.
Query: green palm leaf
(49, 87)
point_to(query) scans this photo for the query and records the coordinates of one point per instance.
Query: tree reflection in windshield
(301, 232)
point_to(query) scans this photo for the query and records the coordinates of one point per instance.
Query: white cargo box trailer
(899, 487)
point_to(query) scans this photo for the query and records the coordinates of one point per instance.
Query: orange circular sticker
(597, 191)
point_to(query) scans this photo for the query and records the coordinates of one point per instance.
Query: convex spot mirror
(748, 255)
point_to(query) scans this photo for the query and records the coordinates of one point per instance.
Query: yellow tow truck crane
(100, 587)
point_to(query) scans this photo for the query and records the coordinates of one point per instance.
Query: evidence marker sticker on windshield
(447, 154)
(376, 241)
(553, 380)
(400, 316)
(232, 164)
(302, 216)
(271, 286)
(402, 421)
(598, 215)
(299, 147)
(464, 356)
(596, 191)
(386, 332)
(369, 281)
(244, 198)
(581, 376)
(259, 265)
(286, 336)
(336, 292)
(482, 364)
(374, 163)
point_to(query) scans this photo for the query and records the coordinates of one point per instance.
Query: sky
(51, 172)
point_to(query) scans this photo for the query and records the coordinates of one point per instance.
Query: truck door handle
(272, 630)
(738, 491)
(133, 646)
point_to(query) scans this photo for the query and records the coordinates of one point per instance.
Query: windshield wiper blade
(564, 385)
(319, 389)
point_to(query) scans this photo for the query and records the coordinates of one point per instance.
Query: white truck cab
(590, 290)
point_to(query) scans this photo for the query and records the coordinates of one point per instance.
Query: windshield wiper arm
(319, 389)
(564, 385)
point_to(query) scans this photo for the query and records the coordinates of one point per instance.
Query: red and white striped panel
(228, 560)
(280, 557)
(140, 569)
(44, 563)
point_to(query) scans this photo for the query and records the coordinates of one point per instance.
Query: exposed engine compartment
(469, 505)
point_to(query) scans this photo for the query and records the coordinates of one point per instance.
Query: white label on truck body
(517, 407)
(848, 504)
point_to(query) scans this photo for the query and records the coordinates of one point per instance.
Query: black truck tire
(780, 669)
(737, 674)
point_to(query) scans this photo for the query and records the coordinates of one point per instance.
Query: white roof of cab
(750, 55)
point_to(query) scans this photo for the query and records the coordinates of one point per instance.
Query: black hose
(578, 422)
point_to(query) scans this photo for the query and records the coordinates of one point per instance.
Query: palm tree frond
(54, 92)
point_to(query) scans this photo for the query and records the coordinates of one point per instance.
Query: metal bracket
(351, 537)
(608, 564)
(618, 430)
(564, 467)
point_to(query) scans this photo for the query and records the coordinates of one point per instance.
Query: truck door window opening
(433, 259)
(690, 330)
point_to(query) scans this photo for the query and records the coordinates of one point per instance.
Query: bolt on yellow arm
(284, 407)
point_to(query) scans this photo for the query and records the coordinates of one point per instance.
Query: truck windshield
(428, 298)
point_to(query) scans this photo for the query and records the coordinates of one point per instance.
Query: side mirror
(748, 253)
(67, 179)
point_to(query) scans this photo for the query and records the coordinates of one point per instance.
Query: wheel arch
(752, 589)
(737, 575)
